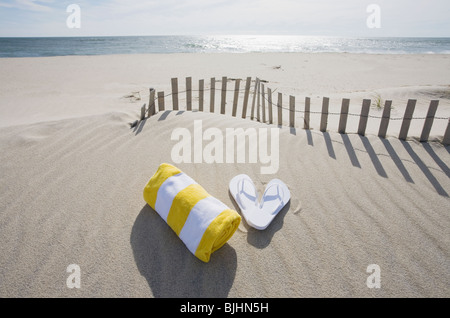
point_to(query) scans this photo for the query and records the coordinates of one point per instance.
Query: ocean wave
(30, 47)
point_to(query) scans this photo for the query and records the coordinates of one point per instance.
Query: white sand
(73, 172)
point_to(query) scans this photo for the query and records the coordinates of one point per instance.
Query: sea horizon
(166, 44)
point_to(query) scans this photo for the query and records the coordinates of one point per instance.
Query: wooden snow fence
(263, 108)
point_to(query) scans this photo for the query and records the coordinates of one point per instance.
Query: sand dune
(71, 193)
(42, 89)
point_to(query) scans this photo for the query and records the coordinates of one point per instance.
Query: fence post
(269, 99)
(280, 109)
(307, 112)
(446, 140)
(246, 96)
(143, 112)
(385, 119)
(151, 103)
(291, 111)
(161, 103)
(324, 120)
(344, 115)
(258, 105)
(252, 116)
(364, 117)
(175, 93)
(407, 119)
(236, 96)
(212, 94)
(189, 93)
(201, 94)
(263, 91)
(224, 95)
(429, 120)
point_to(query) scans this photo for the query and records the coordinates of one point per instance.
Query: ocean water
(36, 47)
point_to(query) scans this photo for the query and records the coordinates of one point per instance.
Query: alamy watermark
(374, 279)
(74, 279)
(74, 19)
(374, 19)
(211, 146)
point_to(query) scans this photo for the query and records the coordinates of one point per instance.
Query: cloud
(216, 16)
(29, 5)
(184, 17)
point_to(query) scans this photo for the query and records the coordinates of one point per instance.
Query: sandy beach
(73, 171)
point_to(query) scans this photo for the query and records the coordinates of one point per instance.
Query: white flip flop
(245, 194)
(275, 197)
(259, 216)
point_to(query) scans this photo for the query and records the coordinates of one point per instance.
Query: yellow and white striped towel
(201, 221)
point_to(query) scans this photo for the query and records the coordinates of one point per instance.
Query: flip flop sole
(259, 217)
(266, 214)
(234, 190)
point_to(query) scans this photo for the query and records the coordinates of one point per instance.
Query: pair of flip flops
(259, 214)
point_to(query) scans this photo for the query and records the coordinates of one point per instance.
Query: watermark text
(74, 19)
(211, 146)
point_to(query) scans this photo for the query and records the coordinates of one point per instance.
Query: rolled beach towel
(202, 222)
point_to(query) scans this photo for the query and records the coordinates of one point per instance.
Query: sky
(411, 18)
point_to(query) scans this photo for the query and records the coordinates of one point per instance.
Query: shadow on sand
(261, 239)
(169, 267)
(391, 152)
